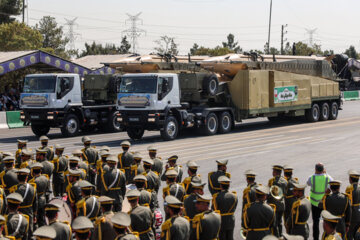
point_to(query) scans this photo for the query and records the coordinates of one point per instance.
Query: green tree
(231, 44)
(98, 49)
(274, 51)
(9, 8)
(351, 52)
(216, 51)
(166, 45)
(194, 48)
(17, 36)
(328, 52)
(125, 46)
(302, 49)
(53, 36)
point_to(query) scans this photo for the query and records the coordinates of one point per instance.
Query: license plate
(133, 119)
(35, 116)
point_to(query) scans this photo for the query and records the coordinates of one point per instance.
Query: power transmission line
(71, 34)
(283, 33)
(134, 32)
(311, 35)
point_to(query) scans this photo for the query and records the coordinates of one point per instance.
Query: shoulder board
(13, 188)
(99, 220)
(210, 173)
(297, 179)
(270, 182)
(122, 170)
(80, 202)
(228, 174)
(349, 189)
(180, 166)
(33, 184)
(2, 173)
(166, 225)
(217, 211)
(166, 188)
(215, 195)
(198, 217)
(26, 216)
(234, 192)
(346, 195)
(182, 184)
(187, 180)
(186, 217)
(186, 196)
(273, 206)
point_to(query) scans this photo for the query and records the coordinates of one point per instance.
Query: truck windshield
(138, 85)
(43, 84)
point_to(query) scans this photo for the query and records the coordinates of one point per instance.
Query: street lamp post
(268, 45)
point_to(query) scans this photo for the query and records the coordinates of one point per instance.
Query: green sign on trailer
(285, 94)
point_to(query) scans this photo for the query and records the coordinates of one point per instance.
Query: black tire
(211, 124)
(211, 85)
(325, 112)
(171, 129)
(313, 114)
(226, 123)
(113, 125)
(135, 133)
(334, 110)
(71, 126)
(40, 130)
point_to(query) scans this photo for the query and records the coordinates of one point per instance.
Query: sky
(206, 22)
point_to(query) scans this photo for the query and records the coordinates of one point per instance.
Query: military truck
(67, 102)
(170, 101)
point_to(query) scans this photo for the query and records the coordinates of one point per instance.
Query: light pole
(268, 45)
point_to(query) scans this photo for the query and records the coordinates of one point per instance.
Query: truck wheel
(71, 126)
(211, 124)
(40, 130)
(324, 112)
(113, 125)
(225, 122)
(211, 85)
(313, 114)
(135, 133)
(334, 110)
(171, 129)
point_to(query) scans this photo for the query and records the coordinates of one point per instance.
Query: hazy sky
(207, 22)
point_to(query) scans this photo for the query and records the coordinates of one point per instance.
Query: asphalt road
(254, 144)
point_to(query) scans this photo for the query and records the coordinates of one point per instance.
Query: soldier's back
(17, 222)
(9, 179)
(104, 228)
(128, 236)
(258, 220)
(48, 168)
(141, 221)
(336, 203)
(226, 203)
(210, 224)
(157, 166)
(189, 205)
(213, 182)
(63, 230)
(177, 227)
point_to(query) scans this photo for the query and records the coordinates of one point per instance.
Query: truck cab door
(64, 91)
(168, 92)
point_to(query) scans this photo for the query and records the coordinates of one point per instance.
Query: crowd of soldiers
(93, 183)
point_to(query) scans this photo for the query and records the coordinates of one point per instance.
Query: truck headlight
(119, 119)
(22, 117)
(151, 119)
(50, 117)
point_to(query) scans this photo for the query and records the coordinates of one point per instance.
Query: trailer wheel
(171, 129)
(211, 85)
(313, 114)
(113, 125)
(325, 112)
(40, 130)
(225, 122)
(135, 133)
(334, 110)
(211, 124)
(71, 126)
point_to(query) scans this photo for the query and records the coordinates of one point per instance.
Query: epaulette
(26, 216)
(273, 206)
(80, 203)
(13, 189)
(2, 173)
(33, 184)
(186, 196)
(187, 180)
(187, 218)
(10, 237)
(122, 170)
(234, 192)
(271, 181)
(217, 211)
(197, 218)
(136, 234)
(99, 220)
(215, 195)
(166, 225)
(296, 179)
(349, 189)
(228, 174)
(210, 174)
(246, 190)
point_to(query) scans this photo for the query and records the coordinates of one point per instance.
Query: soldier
(213, 177)
(248, 193)
(153, 180)
(45, 232)
(82, 163)
(289, 196)
(121, 221)
(329, 225)
(60, 167)
(48, 167)
(17, 224)
(89, 204)
(29, 205)
(90, 155)
(21, 144)
(101, 167)
(189, 202)
(255, 226)
(225, 202)
(171, 163)
(141, 217)
(206, 224)
(147, 197)
(73, 191)
(3, 155)
(192, 171)
(103, 225)
(176, 227)
(114, 183)
(173, 188)
(82, 226)
(278, 201)
(74, 165)
(136, 168)
(62, 229)
(338, 204)
(44, 145)
(296, 223)
(126, 159)
(8, 177)
(25, 158)
(3, 202)
(353, 192)
(158, 164)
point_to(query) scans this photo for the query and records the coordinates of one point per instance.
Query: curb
(3, 121)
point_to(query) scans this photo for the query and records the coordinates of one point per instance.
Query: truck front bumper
(51, 117)
(148, 120)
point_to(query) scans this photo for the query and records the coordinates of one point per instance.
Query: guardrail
(10, 119)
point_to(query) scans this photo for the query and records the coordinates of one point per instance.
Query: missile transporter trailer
(65, 101)
(171, 101)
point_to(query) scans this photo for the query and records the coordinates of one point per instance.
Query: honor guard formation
(97, 193)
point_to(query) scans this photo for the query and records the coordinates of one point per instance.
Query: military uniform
(73, 190)
(8, 176)
(89, 205)
(103, 225)
(136, 168)
(279, 203)
(62, 229)
(173, 188)
(353, 192)
(153, 180)
(44, 146)
(21, 145)
(328, 217)
(299, 215)
(338, 204)
(48, 167)
(101, 167)
(288, 194)
(126, 159)
(248, 193)
(255, 226)
(225, 202)
(45, 232)
(114, 184)
(213, 177)
(74, 165)
(189, 200)
(25, 160)
(158, 164)
(82, 225)
(205, 225)
(121, 221)
(176, 227)
(3, 201)
(187, 181)
(91, 156)
(177, 168)
(147, 197)
(60, 167)
(141, 218)
(17, 224)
